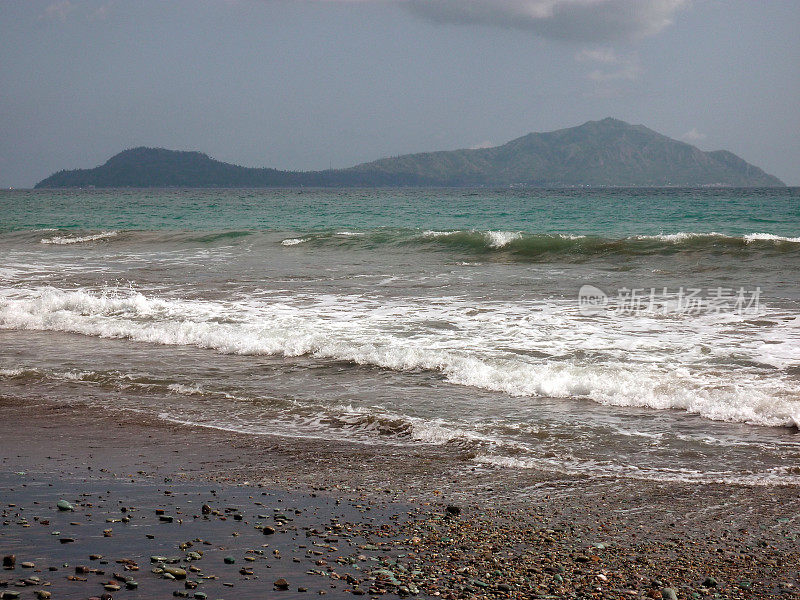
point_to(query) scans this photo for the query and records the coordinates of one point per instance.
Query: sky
(313, 84)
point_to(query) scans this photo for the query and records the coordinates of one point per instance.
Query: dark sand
(351, 518)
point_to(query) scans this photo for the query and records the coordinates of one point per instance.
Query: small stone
(267, 530)
(43, 594)
(111, 587)
(669, 594)
(64, 505)
(453, 510)
(710, 582)
(205, 509)
(27, 565)
(200, 595)
(229, 560)
(281, 584)
(175, 572)
(9, 561)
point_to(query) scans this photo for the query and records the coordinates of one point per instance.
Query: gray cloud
(585, 21)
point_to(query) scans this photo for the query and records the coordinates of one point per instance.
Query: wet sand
(345, 519)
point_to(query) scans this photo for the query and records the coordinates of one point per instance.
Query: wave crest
(65, 240)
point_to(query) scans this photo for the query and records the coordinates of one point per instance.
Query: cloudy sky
(308, 84)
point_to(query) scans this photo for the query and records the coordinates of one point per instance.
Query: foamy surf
(519, 349)
(66, 240)
(769, 237)
(293, 241)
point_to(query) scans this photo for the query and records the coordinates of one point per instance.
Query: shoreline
(507, 535)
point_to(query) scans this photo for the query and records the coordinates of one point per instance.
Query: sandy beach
(155, 510)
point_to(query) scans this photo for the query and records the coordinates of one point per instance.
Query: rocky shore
(101, 505)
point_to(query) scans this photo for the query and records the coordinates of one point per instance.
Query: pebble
(281, 584)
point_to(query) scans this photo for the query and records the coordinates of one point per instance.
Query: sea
(635, 333)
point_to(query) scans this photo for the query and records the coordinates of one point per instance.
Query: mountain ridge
(605, 153)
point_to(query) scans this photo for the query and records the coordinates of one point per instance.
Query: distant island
(602, 153)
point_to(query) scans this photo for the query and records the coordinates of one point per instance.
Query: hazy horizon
(313, 84)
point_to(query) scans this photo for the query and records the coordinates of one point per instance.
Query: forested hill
(598, 153)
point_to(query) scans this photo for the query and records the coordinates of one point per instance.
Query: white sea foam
(62, 240)
(647, 362)
(681, 236)
(749, 238)
(185, 390)
(495, 239)
(769, 237)
(293, 241)
(632, 472)
(500, 239)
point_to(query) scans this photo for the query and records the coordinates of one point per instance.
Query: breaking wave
(509, 245)
(64, 240)
(519, 350)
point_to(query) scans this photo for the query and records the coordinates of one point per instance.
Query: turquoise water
(606, 213)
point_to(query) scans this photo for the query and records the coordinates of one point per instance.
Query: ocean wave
(671, 365)
(65, 240)
(769, 237)
(499, 244)
(521, 245)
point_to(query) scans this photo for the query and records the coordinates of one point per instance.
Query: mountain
(598, 153)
